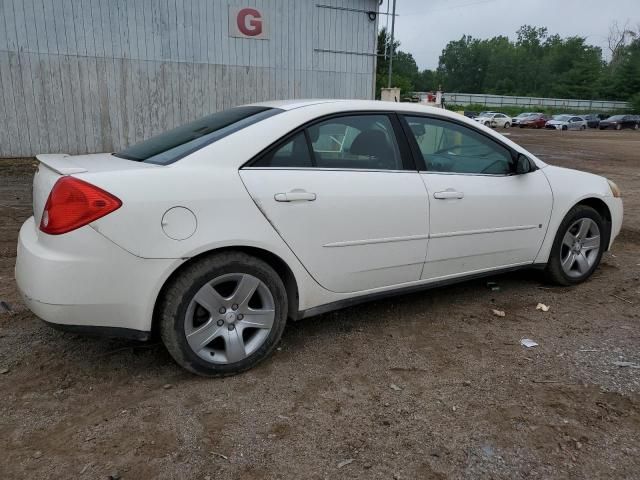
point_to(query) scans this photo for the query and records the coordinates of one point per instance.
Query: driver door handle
(295, 196)
(447, 194)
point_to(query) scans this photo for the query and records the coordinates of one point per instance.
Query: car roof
(342, 105)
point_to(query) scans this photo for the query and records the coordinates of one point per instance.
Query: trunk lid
(53, 166)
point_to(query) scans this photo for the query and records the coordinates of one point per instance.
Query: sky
(424, 27)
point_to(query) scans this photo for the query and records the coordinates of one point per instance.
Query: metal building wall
(81, 76)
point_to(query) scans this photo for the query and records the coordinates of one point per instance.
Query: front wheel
(618, 127)
(223, 314)
(578, 246)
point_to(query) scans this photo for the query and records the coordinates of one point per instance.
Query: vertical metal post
(393, 26)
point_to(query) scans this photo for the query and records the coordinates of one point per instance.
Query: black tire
(554, 272)
(507, 125)
(618, 127)
(564, 127)
(179, 293)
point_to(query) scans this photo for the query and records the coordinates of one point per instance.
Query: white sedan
(494, 119)
(217, 232)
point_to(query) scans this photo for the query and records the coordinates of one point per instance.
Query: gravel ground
(428, 385)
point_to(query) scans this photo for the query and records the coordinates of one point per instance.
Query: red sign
(247, 22)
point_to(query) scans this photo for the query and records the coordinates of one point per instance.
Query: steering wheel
(454, 147)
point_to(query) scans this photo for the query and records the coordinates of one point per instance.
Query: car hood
(557, 122)
(566, 179)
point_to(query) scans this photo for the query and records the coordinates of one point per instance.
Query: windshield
(616, 117)
(181, 141)
(525, 115)
(562, 118)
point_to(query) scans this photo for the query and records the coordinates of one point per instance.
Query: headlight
(614, 189)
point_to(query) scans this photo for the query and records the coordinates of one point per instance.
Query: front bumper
(617, 213)
(84, 282)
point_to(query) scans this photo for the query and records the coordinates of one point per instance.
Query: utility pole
(393, 25)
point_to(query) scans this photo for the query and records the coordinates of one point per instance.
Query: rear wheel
(635, 127)
(564, 127)
(578, 246)
(618, 127)
(223, 314)
(507, 125)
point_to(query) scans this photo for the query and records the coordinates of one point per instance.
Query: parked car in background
(470, 115)
(213, 234)
(536, 120)
(518, 118)
(494, 120)
(593, 121)
(566, 122)
(618, 122)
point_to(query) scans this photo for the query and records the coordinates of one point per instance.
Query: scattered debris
(216, 454)
(37, 454)
(4, 370)
(115, 476)
(527, 342)
(488, 451)
(85, 468)
(588, 350)
(5, 307)
(466, 383)
(498, 313)
(344, 463)
(493, 286)
(543, 307)
(623, 299)
(395, 387)
(626, 364)
(167, 386)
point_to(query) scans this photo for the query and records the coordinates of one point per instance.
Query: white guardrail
(509, 101)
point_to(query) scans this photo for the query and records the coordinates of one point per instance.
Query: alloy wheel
(229, 318)
(580, 247)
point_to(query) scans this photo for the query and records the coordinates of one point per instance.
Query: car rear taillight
(74, 203)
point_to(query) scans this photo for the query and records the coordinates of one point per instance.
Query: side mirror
(523, 164)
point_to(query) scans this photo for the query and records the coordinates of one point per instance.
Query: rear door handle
(447, 194)
(295, 196)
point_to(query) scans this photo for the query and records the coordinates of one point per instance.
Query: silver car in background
(566, 122)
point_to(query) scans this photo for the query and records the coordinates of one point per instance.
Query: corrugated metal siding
(81, 76)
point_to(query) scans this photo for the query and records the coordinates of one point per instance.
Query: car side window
(452, 148)
(365, 142)
(292, 154)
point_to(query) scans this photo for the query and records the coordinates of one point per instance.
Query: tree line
(535, 64)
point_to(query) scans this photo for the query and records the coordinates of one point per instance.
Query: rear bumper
(106, 332)
(84, 282)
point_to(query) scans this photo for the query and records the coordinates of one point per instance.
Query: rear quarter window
(175, 144)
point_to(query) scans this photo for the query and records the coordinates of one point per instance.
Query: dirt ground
(428, 385)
